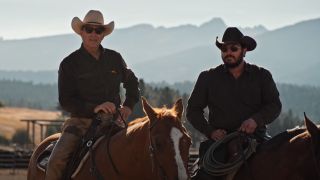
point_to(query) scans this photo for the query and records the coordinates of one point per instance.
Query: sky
(22, 19)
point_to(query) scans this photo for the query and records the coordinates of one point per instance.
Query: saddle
(88, 143)
(43, 159)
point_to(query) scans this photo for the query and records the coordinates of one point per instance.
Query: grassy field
(10, 119)
(19, 174)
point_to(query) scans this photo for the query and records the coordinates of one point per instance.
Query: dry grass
(9, 174)
(10, 119)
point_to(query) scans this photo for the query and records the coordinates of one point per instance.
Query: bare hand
(125, 112)
(248, 126)
(218, 134)
(106, 107)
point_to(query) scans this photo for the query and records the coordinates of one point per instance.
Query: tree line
(41, 96)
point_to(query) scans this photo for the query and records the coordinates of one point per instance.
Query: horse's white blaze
(176, 135)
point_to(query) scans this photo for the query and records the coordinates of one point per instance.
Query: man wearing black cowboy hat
(240, 96)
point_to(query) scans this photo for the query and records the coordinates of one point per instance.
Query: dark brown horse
(152, 148)
(291, 155)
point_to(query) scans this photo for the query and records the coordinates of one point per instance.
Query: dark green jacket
(85, 82)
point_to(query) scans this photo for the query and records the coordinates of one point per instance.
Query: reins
(94, 169)
(108, 140)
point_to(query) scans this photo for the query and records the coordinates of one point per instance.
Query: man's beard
(233, 65)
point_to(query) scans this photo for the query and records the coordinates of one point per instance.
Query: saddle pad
(43, 159)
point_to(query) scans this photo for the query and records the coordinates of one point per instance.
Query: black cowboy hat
(233, 34)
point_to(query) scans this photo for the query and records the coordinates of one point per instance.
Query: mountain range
(173, 54)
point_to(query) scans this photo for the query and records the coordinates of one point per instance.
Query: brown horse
(292, 155)
(152, 148)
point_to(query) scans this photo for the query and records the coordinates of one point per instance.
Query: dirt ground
(10, 174)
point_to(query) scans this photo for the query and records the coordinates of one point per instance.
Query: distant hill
(173, 54)
(44, 77)
(289, 53)
(137, 44)
(28, 94)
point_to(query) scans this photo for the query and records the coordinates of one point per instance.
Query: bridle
(152, 154)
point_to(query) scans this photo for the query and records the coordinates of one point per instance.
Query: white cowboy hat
(93, 17)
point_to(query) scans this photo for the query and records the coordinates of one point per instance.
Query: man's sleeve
(68, 98)
(131, 84)
(196, 104)
(270, 99)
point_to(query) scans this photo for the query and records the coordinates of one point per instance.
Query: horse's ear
(178, 108)
(312, 129)
(148, 109)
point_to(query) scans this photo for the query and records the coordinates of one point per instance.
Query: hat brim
(247, 41)
(77, 24)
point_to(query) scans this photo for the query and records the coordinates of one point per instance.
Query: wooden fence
(14, 158)
(11, 158)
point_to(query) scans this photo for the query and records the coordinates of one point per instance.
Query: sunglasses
(90, 29)
(233, 48)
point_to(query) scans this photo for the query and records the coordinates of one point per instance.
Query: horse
(155, 147)
(293, 155)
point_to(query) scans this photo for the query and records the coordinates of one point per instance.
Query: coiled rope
(216, 168)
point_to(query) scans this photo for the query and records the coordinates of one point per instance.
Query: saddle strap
(83, 147)
(94, 170)
(108, 141)
(108, 149)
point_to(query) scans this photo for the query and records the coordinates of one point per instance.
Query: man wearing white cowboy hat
(240, 96)
(89, 82)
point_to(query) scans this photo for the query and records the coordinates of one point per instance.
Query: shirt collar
(84, 51)
(247, 68)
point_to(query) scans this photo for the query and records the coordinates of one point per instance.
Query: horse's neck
(285, 153)
(279, 140)
(136, 140)
(138, 133)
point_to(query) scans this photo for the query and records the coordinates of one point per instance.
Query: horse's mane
(141, 122)
(280, 138)
(138, 120)
(161, 113)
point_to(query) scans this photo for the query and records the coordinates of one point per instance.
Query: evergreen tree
(3, 140)
(52, 130)
(21, 137)
(285, 121)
